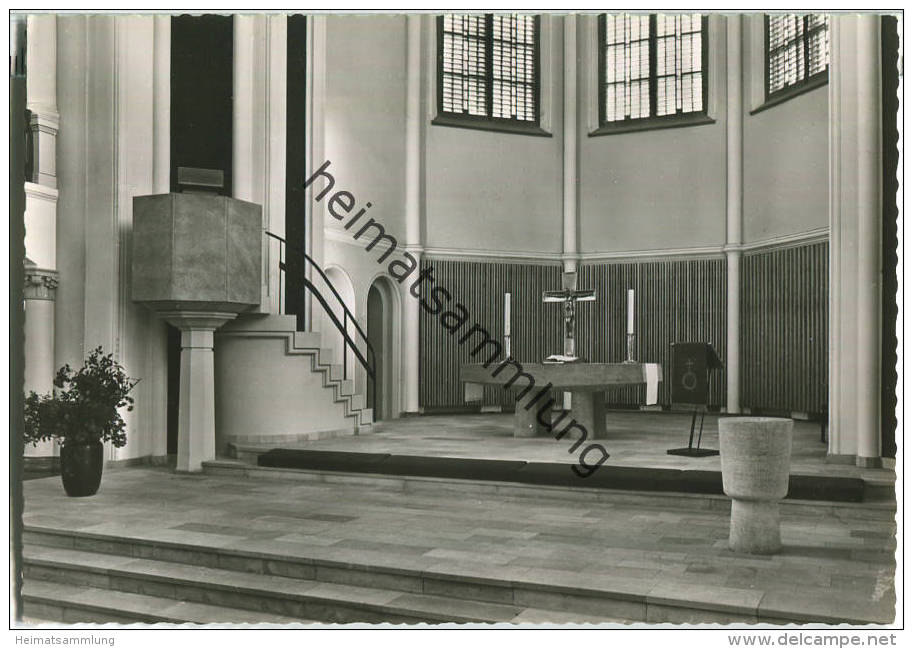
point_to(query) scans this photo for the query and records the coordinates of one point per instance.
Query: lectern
(691, 366)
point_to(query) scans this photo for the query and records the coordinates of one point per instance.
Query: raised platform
(482, 447)
(801, 487)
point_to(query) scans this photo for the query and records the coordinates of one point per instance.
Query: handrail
(369, 363)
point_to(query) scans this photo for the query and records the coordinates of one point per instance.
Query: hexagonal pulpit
(197, 263)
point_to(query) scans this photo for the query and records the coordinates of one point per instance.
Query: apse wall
(491, 191)
(785, 152)
(652, 215)
(784, 270)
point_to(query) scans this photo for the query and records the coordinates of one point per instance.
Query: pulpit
(197, 263)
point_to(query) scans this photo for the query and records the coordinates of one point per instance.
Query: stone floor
(634, 439)
(839, 564)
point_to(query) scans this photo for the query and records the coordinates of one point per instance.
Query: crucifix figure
(569, 295)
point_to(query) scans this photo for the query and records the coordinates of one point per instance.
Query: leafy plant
(84, 406)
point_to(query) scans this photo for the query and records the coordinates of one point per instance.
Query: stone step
(325, 356)
(307, 340)
(366, 414)
(608, 598)
(51, 601)
(320, 564)
(301, 599)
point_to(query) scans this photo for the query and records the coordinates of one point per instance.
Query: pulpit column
(196, 412)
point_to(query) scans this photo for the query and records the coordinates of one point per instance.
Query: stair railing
(366, 359)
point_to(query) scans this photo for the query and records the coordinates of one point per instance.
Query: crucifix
(569, 295)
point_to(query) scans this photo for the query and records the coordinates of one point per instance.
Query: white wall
(104, 159)
(785, 168)
(496, 191)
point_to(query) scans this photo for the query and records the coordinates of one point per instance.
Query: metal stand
(629, 358)
(691, 450)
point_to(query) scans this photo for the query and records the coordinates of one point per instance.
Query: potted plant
(81, 413)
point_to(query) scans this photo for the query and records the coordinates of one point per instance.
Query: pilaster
(413, 193)
(570, 180)
(41, 196)
(855, 248)
(38, 292)
(161, 98)
(734, 117)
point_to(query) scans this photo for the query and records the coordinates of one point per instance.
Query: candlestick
(507, 325)
(629, 356)
(507, 314)
(630, 329)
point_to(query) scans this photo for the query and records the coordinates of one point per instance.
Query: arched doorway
(383, 334)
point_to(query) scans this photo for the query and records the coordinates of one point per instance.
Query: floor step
(439, 485)
(264, 594)
(324, 583)
(47, 601)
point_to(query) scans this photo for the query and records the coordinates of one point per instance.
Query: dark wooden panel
(201, 94)
(676, 300)
(295, 172)
(679, 300)
(783, 338)
(480, 286)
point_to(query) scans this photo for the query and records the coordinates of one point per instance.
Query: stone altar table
(585, 381)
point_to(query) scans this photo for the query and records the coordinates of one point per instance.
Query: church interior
(455, 318)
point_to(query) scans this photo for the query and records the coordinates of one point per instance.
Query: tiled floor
(634, 439)
(840, 564)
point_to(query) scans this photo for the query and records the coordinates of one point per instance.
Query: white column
(245, 127)
(855, 245)
(274, 159)
(734, 117)
(249, 123)
(38, 294)
(868, 137)
(411, 313)
(196, 413)
(161, 97)
(41, 62)
(41, 278)
(258, 132)
(570, 144)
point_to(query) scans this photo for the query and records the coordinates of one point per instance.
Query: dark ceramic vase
(80, 468)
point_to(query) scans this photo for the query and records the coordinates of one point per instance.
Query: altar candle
(630, 310)
(507, 314)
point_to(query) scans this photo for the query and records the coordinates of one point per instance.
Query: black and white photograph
(454, 319)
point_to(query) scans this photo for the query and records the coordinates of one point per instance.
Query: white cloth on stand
(651, 378)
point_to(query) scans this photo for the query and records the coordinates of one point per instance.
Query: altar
(586, 382)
